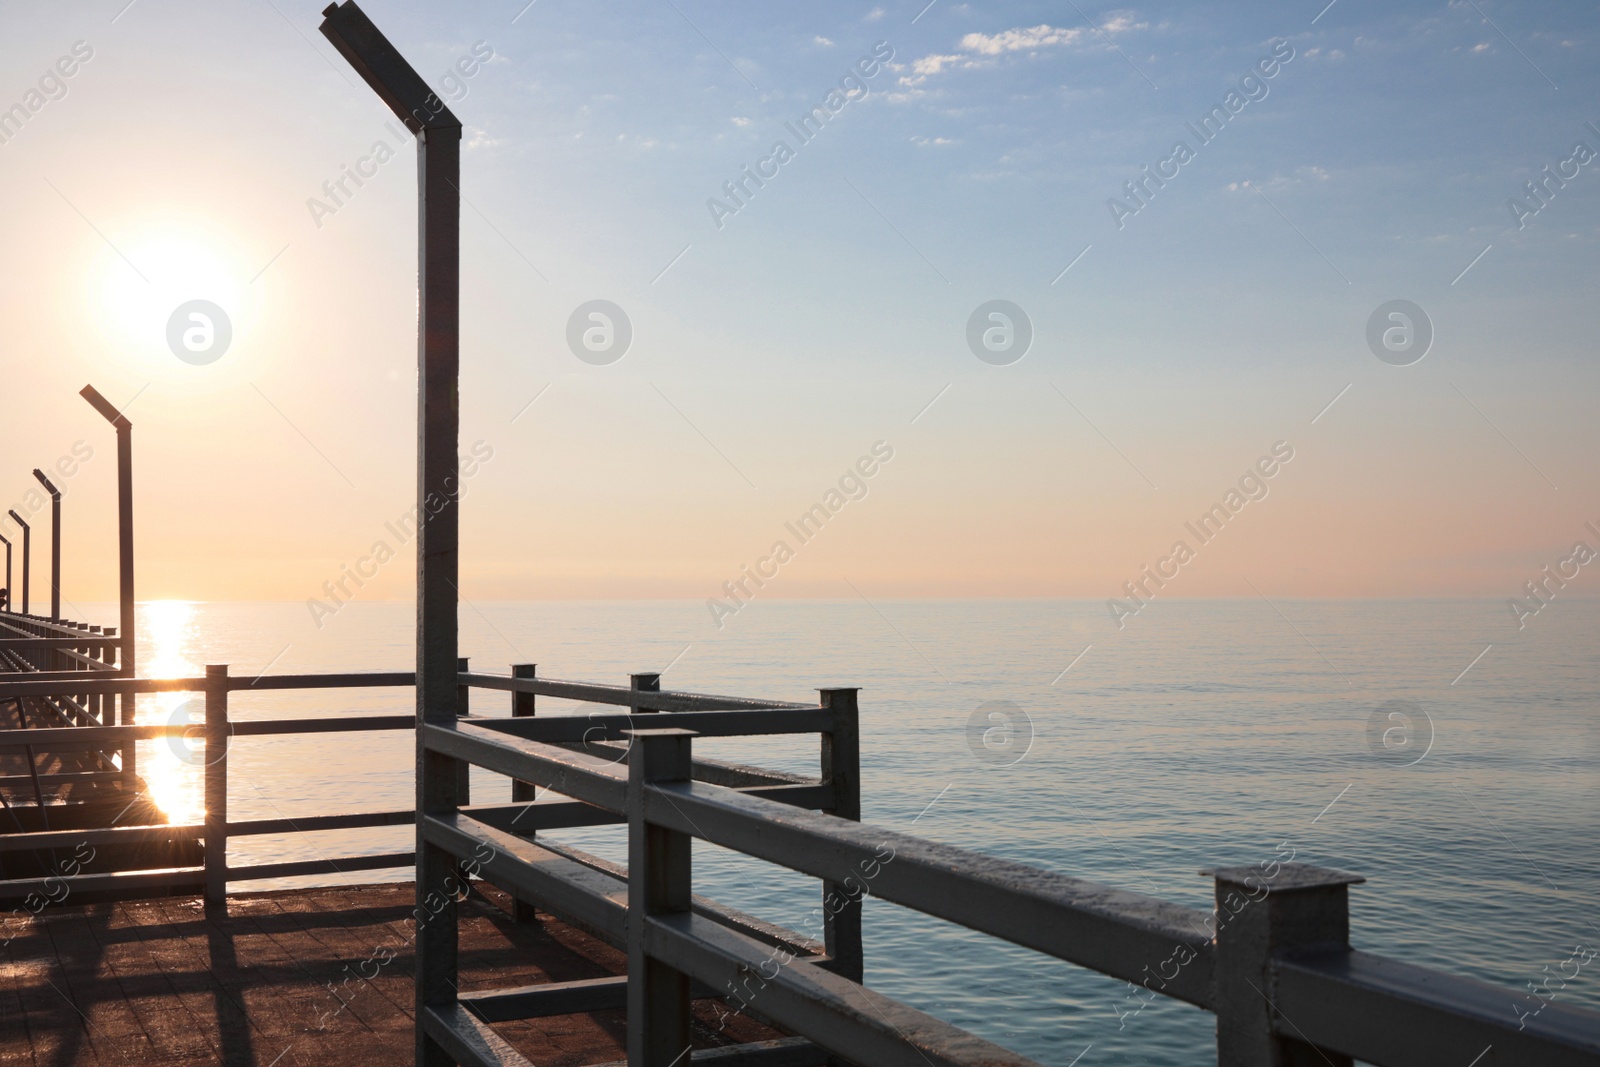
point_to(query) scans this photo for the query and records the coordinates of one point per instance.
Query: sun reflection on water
(173, 778)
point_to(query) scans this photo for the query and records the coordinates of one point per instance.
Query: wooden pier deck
(296, 977)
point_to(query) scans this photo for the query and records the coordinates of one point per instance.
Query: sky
(1181, 338)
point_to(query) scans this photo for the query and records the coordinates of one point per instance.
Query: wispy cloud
(984, 49)
(1019, 40)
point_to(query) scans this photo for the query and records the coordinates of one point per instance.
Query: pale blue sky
(826, 314)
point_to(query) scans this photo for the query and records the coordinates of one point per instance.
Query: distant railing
(215, 873)
(38, 648)
(1273, 961)
(836, 790)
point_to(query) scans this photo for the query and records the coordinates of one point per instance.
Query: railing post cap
(1291, 877)
(213, 669)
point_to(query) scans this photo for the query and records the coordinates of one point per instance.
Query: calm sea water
(1207, 732)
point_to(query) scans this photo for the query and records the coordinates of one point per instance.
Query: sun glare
(151, 272)
(172, 767)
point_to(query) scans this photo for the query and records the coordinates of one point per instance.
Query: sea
(1431, 746)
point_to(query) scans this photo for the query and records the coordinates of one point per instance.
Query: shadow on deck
(293, 977)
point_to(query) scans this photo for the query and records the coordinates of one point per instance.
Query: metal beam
(1384, 1011)
(783, 1052)
(1109, 930)
(461, 1037)
(548, 998)
(852, 1020)
(569, 729)
(576, 774)
(664, 700)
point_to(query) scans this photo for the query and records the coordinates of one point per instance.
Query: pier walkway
(296, 977)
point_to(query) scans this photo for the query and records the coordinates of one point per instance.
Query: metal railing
(217, 730)
(1273, 961)
(43, 649)
(836, 789)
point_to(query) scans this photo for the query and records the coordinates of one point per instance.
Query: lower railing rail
(1272, 961)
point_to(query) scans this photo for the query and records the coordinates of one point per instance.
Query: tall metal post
(8, 571)
(55, 544)
(841, 769)
(27, 540)
(127, 662)
(438, 134)
(659, 882)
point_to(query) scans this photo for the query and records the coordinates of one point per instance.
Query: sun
(152, 273)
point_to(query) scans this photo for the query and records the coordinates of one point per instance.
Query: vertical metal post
(55, 544)
(216, 772)
(97, 702)
(524, 705)
(659, 883)
(7, 604)
(463, 703)
(438, 135)
(1258, 918)
(644, 683)
(841, 768)
(108, 702)
(127, 662)
(27, 541)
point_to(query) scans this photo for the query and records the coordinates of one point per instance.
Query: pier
(124, 942)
